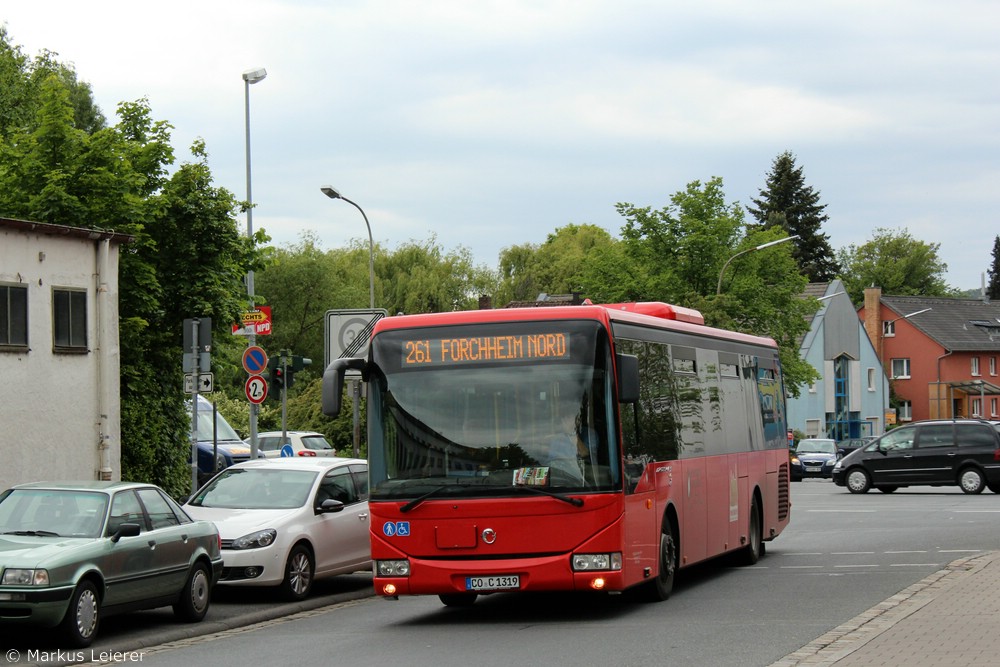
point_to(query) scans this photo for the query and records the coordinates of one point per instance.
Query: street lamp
(332, 193)
(249, 77)
(743, 252)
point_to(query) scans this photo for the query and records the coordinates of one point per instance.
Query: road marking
(859, 565)
(915, 565)
(801, 567)
(852, 553)
(959, 551)
(805, 553)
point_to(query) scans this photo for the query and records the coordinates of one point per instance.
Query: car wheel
(299, 572)
(887, 489)
(858, 480)
(458, 599)
(79, 625)
(660, 587)
(971, 480)
(196, 595)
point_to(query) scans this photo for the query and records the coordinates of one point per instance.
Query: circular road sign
(287, 451)
(254, 360)
(256, 389)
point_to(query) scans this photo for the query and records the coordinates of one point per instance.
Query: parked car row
(73, 553)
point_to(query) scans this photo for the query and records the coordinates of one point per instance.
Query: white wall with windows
(59, 353)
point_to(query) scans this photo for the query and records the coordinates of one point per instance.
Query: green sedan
(73, 552)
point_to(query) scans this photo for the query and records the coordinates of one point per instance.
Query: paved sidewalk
(949, 618)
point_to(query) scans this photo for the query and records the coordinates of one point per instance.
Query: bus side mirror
(628, 378)
(333, 382)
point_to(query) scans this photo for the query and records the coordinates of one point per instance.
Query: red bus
(674, 449)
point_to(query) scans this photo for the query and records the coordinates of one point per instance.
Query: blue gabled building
(851, 397)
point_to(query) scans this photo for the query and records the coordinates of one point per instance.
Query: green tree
(186, 260)
(788, 203)
(21, 79)
(895, 261)
(993, 288)
(676, 254)
(560, 265)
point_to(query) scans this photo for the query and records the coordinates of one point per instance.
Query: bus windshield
(492, 410)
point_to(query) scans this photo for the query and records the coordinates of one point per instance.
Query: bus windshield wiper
(421, 498)
(576, 502)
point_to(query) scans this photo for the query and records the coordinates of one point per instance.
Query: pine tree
(788, 202)
(993, 288)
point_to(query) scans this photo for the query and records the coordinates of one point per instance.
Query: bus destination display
(480, 349)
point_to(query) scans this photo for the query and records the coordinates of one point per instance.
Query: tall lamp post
(333, 193)
(251, 76)
(718, 290)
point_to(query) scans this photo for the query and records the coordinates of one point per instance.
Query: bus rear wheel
(755, 543)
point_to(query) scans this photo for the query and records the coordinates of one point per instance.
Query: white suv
(299, 443)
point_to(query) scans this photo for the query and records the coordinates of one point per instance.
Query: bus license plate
(505, 582)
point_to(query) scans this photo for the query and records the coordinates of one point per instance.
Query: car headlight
(795, 460)
(836, 466)
(258, 540)
(13, 576)
(586, 562)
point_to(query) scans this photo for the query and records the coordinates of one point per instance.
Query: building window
(993, 366)
(69, 319)
(975, 366)
(905, 411)
(13, 316)
(993, 407)
(977, 407)
(871, 379)
(889, 328)
(900, 368)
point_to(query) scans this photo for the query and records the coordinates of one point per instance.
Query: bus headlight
(392, 568)
(587, 562)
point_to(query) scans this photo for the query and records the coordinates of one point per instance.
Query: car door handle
(152, 544)
(362, 517)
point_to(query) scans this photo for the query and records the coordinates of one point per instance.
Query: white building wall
(60, 411)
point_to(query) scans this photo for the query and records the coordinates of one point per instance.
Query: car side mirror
(126, 530)
(330, 505)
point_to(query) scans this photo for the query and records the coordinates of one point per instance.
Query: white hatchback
(295, 443)
(288, 521)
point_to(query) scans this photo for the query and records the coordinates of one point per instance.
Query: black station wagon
(963, 452)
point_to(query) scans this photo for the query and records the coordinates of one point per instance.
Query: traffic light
(297, 364)
(275, 378)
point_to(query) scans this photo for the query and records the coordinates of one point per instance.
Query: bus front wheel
(660, 587)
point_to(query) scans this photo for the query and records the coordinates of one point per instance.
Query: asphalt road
(842, 554)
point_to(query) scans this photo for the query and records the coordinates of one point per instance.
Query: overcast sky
(489, 124)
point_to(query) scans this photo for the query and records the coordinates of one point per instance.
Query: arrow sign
(254, 360)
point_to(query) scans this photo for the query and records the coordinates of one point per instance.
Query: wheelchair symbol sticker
(396, 528)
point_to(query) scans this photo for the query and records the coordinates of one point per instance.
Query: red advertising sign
(254, 322)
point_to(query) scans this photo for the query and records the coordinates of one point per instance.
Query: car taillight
(306, 452)
(996, 454)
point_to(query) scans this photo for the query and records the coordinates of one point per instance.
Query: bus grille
(783, 502)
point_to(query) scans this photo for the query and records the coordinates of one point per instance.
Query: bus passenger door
(642, 525)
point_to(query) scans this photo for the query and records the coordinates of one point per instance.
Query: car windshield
(315, 442)
(257, 488)
(816, 447)
(53, 512)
